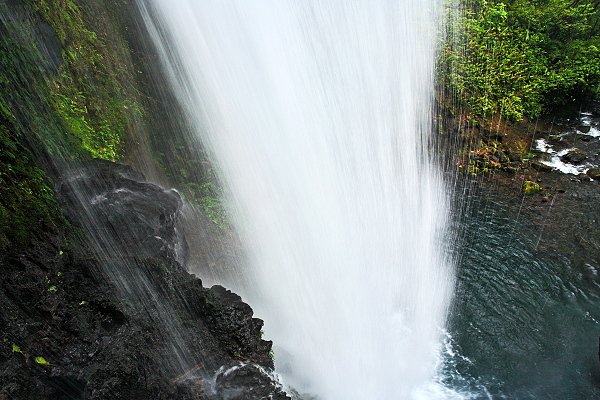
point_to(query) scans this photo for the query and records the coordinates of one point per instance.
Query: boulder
(574, 157)
(584, 128)
(539, 166)
(594, 173)
(129, 216)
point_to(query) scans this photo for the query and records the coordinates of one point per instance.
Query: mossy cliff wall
(67, 93)
(77, 83)
(79, 80)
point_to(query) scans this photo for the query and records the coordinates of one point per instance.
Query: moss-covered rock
(85, 323)
(87, 92)
(574, 157)
(530, 187)
(593, 173)
(63, 96)
(539, 166)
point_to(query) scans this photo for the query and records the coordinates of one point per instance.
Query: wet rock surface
(593, 173)
(126, 215)
(572, 145)
(575, 157)
(109, 312)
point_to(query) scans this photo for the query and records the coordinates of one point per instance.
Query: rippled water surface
(525, 323)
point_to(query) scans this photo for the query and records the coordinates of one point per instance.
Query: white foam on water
(555, 160)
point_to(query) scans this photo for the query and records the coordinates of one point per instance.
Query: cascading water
(318, 118)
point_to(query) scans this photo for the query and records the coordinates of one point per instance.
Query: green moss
(211, 202)
(209, 198)
(190, 173)
(26, 199)
(530, 188)
(80, 110)
(488, 157)
(86, 92)
(41, 361)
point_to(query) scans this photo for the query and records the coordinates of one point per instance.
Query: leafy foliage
(521, 57)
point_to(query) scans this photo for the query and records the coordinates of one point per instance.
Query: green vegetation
(86, 92)
(52, 286)
(26, 198)
(191, 172)
(530, 188)
(78, 109)
(209, 197)
(41, 361)
(521, 58)
(486, 158)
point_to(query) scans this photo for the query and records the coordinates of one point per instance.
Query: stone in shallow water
(574, 157)
(593, 173)
(584, 128)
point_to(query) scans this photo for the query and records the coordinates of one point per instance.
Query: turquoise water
(525, 321)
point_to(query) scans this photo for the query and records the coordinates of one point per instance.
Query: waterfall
(317, 115)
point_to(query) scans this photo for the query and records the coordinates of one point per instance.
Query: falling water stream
(317, 115)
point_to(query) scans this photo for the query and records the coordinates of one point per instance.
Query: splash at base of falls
(318, 118)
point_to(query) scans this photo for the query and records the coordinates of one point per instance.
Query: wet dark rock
(554, 139)
(593, 173)
(574, 157)
(539, 166)
(584, 128)
(228, 383)
(117, 317)
(17, 13)
(131, 216)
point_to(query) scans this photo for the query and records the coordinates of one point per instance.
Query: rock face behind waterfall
(114, 315)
